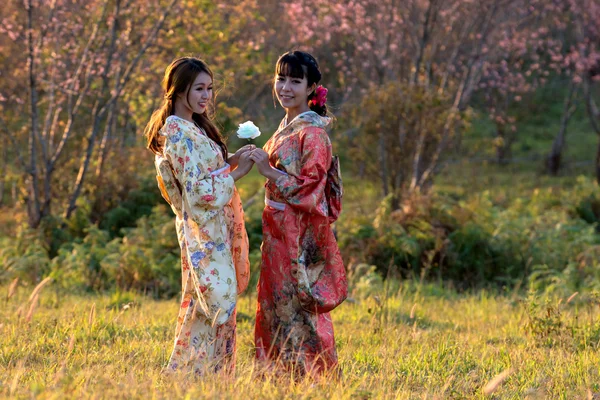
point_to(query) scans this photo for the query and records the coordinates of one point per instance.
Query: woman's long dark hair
(179, 76)
(299, 64)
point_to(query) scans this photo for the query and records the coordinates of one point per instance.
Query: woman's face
(200, 93)
(291, 92)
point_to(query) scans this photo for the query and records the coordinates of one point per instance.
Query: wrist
(236, 174)
(232, 160)
(273, 174)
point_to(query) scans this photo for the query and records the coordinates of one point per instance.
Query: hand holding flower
(234, 158)
(245, 164)
(243, 167)
(261, 159)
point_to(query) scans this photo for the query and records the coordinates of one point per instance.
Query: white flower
(248, 130)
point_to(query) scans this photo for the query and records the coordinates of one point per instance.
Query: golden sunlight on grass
(449, 346)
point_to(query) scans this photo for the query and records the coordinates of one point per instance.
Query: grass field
(395, 340)
(420, 342)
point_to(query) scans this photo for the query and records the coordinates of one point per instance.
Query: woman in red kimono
(302, 275)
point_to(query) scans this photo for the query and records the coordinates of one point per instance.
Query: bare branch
(440, 147)
(151, 38)
(72, 109)
(99, 112)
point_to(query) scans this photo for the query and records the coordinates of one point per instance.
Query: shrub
(25, 256)
(138, 203)
(483, 239)
(78, 265)
(147, 257)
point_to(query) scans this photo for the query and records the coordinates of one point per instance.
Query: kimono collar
(191, 124)
(306, 119)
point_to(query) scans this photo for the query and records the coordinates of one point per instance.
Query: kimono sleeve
(306, 192)
(205, 192)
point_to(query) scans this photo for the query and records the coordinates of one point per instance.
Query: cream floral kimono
(194, 178)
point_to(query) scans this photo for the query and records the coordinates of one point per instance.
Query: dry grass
(450, 346)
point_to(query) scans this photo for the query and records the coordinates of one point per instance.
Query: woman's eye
(296, 81)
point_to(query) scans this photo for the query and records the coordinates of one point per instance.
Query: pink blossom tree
(585, 57)
(522, 62)
(572, 60)
(445, 47)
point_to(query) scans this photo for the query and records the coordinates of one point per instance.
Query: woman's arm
(305, 192)
(261, 158)
(204, 192)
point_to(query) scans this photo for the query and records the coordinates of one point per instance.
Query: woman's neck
(182, 112)
(291, 113)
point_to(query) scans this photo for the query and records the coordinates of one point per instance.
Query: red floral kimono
(302, 276)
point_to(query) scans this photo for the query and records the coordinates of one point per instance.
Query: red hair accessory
(320, 97)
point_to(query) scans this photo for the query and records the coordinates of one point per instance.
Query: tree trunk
(502, 155)
(427, 175)
(598, 163)
(383, 164)
(104, 145)
(2, 176)
(85, 162)
(416, 162)
(33, 197)
(395, 180)
(502, 149)
(554, 158)
(13, 193)
(430, 15)
(553, 163)
(594, 115)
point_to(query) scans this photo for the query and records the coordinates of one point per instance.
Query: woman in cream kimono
(197, 179)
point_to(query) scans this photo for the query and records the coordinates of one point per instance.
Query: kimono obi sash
(275, 204)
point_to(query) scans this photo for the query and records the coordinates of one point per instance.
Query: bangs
(289, 65)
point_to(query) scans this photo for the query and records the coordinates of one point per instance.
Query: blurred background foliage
(468, 133)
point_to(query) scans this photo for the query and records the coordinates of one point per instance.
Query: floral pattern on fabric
(299, 250)
(194, 178)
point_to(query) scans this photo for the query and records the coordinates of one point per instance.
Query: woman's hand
(244, 166)
(261, 159)
(234, 159)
